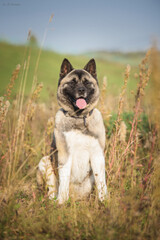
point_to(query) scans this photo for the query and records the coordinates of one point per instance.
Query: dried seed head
(51, 17)
(18, 67)
(1, 101)
(29, 34)
(30, 149)
(127, 72)
(31, 110)
(37, 91)
(20, 124)
(4, 106)
(122, 131)
(50, 125)
(128, 69)
(104, 83)
(12, 81)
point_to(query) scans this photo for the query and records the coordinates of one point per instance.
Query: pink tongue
(81, 103)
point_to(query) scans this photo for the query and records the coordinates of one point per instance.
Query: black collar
(78, 117)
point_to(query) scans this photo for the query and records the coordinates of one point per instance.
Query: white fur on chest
(80, 147)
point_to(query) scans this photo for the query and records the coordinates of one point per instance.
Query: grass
(132, 57)
(49, 67)
(132, 153)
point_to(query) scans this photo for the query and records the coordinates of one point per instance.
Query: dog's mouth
(81, 103)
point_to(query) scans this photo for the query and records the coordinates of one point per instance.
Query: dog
(77, 150)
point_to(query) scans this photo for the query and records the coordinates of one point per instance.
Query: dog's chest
(80, 147)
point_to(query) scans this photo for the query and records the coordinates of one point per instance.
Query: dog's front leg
(64, 166)
(64, 179)
(98, 168)
(46, 174)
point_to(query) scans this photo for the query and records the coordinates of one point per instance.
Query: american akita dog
(77, 150)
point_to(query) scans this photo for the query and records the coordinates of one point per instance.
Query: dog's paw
(60, 201)
(103, 194)
(103, 198)
(52, 196)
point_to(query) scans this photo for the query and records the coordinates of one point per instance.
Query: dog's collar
(78, 117)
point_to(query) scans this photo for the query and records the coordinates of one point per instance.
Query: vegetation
(46, 65)
(132, 57)
(132, 153)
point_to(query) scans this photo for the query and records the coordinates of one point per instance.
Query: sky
(82, 25)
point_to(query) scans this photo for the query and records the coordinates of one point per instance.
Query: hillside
(49, 66)
(133, 58)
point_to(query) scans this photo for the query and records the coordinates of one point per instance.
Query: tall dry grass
(132, 167)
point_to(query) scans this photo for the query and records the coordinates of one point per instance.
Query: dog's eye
(73, 81)
(86, 82)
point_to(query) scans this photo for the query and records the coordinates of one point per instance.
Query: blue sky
(79, 26)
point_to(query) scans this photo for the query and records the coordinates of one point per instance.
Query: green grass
(49, 67)
(133, 58)
(143, 124)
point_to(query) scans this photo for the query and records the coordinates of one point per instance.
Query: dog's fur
(79, 138)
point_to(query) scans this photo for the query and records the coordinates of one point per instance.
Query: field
(46, 66)
(132, 121)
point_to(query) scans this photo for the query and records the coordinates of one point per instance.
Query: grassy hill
(133, 58)
(49, 66)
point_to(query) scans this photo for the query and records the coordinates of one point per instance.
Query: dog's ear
(91, 68)
(66, 67)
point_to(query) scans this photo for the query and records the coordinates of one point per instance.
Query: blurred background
(35, 37)
(115, 33)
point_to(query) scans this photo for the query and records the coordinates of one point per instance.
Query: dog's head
(78, 90)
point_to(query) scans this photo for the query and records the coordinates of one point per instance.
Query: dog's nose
(81, 90)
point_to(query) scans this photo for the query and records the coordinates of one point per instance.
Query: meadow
(130, 106)
(45, 65)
